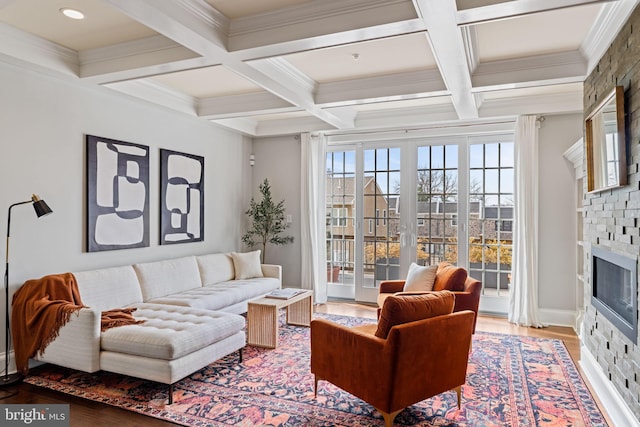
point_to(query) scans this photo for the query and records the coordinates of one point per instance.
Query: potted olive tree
(268, 221)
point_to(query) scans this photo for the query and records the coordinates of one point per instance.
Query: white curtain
(312, 205)
(523, 298)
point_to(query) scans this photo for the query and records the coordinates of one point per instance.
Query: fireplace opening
(615, 290)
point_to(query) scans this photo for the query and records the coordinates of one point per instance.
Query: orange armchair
(416, 360)
(465, 288)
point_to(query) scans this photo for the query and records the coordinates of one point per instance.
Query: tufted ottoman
(172, 343)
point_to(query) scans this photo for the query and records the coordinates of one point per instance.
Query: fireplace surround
(615, 290)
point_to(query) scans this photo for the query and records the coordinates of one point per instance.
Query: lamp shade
(40, 206)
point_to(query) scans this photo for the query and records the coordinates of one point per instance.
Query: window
(491, 204)
(436, 201)
(340, 217)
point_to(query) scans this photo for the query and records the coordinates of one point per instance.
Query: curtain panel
(313, 227)
(523, 298)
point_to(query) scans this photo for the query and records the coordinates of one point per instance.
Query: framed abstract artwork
(117, 194)
(181, 197)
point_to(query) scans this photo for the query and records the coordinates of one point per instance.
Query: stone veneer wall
(612, 217)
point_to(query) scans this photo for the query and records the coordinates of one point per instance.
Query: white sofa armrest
(77, 345)
(272, 270)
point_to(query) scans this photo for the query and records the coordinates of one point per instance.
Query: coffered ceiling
(273, 67)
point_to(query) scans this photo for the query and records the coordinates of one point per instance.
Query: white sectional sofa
(191, 309)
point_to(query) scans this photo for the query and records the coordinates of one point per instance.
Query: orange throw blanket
(39, 309)
(42, 306)
(118, 317)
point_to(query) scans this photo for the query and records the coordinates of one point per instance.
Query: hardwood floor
(87, 413)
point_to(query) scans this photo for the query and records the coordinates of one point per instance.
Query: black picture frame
(117, 209)
(181, 197)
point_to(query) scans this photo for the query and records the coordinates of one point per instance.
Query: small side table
(262, 317)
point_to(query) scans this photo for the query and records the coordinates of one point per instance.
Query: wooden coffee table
(262, 317)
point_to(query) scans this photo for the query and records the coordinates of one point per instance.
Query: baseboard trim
(611, 400)
(557, 317)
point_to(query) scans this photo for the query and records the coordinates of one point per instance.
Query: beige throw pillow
(247, 265)
(420, 278)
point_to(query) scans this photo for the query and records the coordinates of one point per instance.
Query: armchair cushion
(449, 277)
(399, 309)
(420, 278)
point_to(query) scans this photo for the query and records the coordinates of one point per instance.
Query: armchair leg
(459, 393)
(388, 418)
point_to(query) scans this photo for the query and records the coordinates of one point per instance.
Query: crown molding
(35, 50)
(605, 29)
(242, 125)
(440, 129)
(158, 94)
(509, 9)
(291, 126)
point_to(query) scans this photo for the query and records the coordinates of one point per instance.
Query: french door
(424, 201)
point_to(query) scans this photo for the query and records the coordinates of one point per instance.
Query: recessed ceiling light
(72, 13)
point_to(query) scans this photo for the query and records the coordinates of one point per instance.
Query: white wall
(557, 221)
(278, 159)
(43, 122)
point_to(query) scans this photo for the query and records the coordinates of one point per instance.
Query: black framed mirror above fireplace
(614, 284)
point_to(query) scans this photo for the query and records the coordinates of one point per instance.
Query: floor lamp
(41, 209)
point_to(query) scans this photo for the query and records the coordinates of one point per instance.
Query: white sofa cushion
(247, 265)
(221, 295)
(109, 288)
(167, 277)
(215, 268)
(170, 332)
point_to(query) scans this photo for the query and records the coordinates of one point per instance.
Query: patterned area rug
(511, 381)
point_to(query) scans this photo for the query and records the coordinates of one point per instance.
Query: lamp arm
(8, 234)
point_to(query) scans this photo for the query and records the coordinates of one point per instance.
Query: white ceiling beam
(406, 117)
(450, 53)
(192, 23)
(281, 78)
(559, 103)
(513, 8)
(311, 20)
(539, 70)
(408, 85)
(137, 59)
(198, 27)
(247, 104)
(252, 50)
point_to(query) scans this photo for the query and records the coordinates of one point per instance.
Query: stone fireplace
(611, 224)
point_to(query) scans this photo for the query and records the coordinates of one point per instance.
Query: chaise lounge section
(191, 310)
